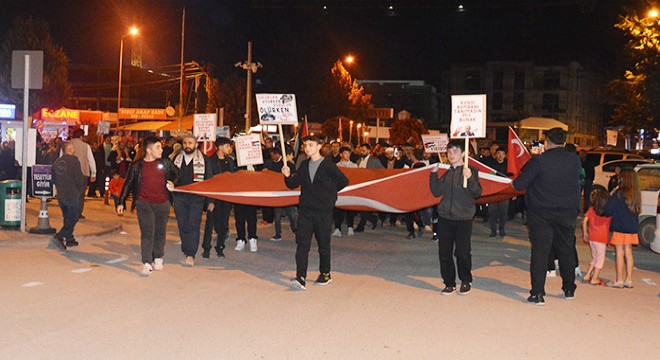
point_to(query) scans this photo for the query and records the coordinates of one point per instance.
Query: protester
(149, 177)
(455, 212)
(338, 214)
(590, 174)
(71, 184)
(275, 164)
(367, 161)
(195, 167)
(218, 219)
(553, 202)
(498, 212)
(87, 162)
(624, 207)
(319, 180)
(595, 230)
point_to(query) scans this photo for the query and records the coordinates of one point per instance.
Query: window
(519, 80)
(498, 80)
(551, 103)
(497, 101)
(473, 80)
(649, 178)
(518, 101)
(551, 80)
(612, 157)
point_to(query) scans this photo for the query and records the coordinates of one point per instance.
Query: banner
(204, 127)
(435, 143)
(248, 150)
(277, 109)
(468, 116)
(612, 136)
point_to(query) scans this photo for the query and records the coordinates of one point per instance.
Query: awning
(145, 126)
(186, 124)
(539, 123)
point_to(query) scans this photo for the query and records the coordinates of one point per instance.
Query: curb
(37, 239)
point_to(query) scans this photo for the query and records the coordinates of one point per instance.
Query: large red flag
(517, 154)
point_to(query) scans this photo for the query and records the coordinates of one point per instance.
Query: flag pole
(182, 70)
(279, 128)
(465, 162)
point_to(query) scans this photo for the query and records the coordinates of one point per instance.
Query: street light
(133, 31)
(357, 133)
(653, 13)
(349, 59)
(350, 132)
(251, 68)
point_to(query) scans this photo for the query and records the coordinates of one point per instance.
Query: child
(115, 186)
(624, 207)
(595, 228)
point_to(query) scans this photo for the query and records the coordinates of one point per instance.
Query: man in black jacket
(71, 184)
(455, 213)
(319, 180)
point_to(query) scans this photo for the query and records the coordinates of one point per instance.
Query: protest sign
(435, 143)
(277, 109)
(204, 127)
(248, 150)
(468, 116)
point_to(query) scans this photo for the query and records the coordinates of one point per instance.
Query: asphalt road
(384, 303)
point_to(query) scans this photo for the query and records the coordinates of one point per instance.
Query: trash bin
(10, 203)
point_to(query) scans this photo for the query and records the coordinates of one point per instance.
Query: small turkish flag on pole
(208, 148)
(517, 154)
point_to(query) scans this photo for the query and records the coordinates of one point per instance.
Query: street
(384, 302)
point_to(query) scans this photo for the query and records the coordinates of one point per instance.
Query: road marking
(123, 232)
(514, 250)
(115, 261)
(32, 284)
(649, 282)
(81, 270)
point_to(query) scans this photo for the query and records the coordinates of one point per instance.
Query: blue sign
(7, 111)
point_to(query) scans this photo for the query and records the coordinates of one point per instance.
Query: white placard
(248, 150)
(277, 109)
(12, 209)
(435, 143)
(468, 116)
(612, 137)
(103, 127)
(204, 127)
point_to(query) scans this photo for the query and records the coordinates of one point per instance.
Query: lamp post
(350, 132)
(132, 31)
(357, 133)
(251, 68)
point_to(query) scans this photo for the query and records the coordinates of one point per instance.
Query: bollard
(43, 224)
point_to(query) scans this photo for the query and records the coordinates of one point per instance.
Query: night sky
(297, 41)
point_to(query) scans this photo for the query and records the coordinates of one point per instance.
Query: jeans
(319, 224)
(217, 220)
(245, 215)
(71, 210)
(498, 213)
(548, 231)
(152, 218)
(291, 213)
(188, 210)
(454, 237)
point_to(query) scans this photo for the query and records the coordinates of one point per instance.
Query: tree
(330, 128)
(230, 95)
(637, 96)
(407, 130)
(342, 96)
(34, 34)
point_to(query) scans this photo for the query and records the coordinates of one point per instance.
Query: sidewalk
(100, 220)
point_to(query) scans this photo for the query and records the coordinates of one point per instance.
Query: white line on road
(81, 270)
(32, 284)
(115, 261)
(649, 282)
(123, 232)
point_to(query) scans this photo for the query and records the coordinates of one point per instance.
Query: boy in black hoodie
(319, 180)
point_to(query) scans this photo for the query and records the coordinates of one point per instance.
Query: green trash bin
(10, 203)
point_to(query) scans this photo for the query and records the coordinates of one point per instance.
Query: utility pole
(251, 68)
(183, 71)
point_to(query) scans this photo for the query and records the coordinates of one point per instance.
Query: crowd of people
(147, 171)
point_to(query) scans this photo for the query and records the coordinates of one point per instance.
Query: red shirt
(599, 226)
(152, 186)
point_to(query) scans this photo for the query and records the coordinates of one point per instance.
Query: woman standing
(149, 178)
(624, 207)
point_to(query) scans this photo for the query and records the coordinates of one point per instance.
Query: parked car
(601, 156)
(604, 172)
(649, 221)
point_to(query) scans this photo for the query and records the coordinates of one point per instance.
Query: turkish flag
(208, 148)
(517, 154)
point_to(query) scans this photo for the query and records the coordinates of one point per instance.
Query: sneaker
(337, 233)
(146, 269)
(465, 289)
(578, 272)
(240, 245)
(220, 252)
(297, 283)
(569, 294)
(276, 238)
(206, 254)
(71, 243)
(448, 290)
(58, 242)
(350, 231)
(323, 279)
(411, 235)
(536, 300)
(551, 273)
(493, 234)
(189, 261)
(158, 264)
(253, 245)
(435, 238)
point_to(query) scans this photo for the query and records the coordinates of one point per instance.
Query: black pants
(152, 218)
(454, 237)
(71, 213)
(245, 215)
(188, 210)
(364, 216)
(315, 223)
(291, 213)
(498, 213)
(217, 220)
(413, 217)
(339, 215)
(548, 231)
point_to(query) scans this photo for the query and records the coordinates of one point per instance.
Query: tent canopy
(186, 124)
(145, 125)
(539, 123)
